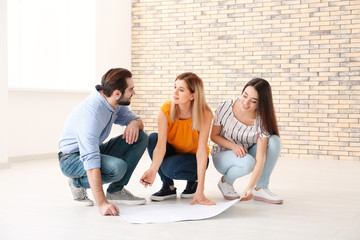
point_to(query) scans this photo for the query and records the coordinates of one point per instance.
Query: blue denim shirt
(89, 124)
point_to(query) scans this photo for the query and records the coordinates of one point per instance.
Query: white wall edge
(33, 157)
(48, 90)
(4, 166)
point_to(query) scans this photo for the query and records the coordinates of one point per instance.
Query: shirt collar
(102, 99)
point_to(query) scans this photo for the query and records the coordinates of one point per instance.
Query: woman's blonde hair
(198, 104)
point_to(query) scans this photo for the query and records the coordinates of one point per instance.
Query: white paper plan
(161, 213)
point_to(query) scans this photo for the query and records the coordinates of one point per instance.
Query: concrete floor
(322, 201)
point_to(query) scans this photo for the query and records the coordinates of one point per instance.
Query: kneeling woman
(179, 150)
(246, 138)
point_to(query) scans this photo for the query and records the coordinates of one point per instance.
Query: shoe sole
(268, 200)
(127, 202)
(227, 197)
(158, 198)
(83, 204)
(187, 196)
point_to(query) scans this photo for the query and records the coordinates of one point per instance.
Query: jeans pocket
(64, 166)
(71, 166)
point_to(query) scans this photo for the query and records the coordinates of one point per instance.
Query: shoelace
(81, 193)
(230, 188)
(269, 192)
(126, 192)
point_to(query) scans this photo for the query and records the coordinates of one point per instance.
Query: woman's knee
(219, 165)
(274, 143)
(153, 138)
(182, 172)
(186, 170)
(223, 161)
(180, 166)
(249, 164)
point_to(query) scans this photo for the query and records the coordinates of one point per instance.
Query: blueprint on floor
(161, 213)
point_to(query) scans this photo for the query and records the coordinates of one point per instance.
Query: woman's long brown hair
(265, 108)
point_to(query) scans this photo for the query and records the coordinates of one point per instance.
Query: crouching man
(87, 161)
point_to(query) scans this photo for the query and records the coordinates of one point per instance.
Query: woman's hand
(148, 177)
(238, 150)
(201, 199)
(247, 195)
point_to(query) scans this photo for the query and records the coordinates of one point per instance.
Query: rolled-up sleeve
(88, 135)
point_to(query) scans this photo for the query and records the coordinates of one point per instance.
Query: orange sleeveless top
(180, 134)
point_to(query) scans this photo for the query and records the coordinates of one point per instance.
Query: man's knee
(143, 139)
(112, 168)
(120, 169)
(143, 135)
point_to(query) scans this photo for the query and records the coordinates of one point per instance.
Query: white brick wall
(308, 50)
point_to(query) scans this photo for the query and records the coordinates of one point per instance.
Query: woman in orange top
(179, 150)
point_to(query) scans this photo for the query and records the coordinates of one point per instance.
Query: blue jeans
(118, 161)
(174, 165)
(233, 167)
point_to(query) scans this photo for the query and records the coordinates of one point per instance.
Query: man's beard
(122, 102)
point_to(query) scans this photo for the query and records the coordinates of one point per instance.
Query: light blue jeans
(233, 167)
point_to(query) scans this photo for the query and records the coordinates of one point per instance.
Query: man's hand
(109, 209)
(131, 132)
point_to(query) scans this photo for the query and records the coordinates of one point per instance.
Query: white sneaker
(79, 195)
(265, 195)
(227, 191)
(124, 197)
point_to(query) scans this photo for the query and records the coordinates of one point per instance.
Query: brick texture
(309, 51)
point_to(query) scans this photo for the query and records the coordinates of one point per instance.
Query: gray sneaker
(79, 195)
(124, 197)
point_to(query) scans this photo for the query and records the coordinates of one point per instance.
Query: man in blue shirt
(89, 162)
